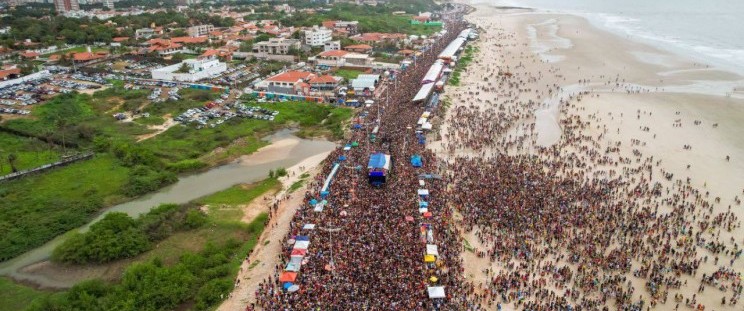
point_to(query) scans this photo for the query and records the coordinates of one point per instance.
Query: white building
(108, 4)
(198, 69)
(200, 30)
(318, 36)
(332, 46)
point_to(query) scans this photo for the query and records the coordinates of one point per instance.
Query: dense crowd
(577, 223)
(367, 250)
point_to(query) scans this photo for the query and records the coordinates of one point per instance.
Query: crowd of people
(577, 224)
(366, 251)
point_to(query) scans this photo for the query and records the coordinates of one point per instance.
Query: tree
(183, 69)
(11, 160)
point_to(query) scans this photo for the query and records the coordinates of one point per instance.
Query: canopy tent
(452, 48)
(379, 160)
(422, 183)
(426, 126)
(416, 160)
(432, 249)
(429, 258)
(308, 227)
(298, 252)
(423, 204)
(423, 192)
(301, 244)
(424, 92)
(434, 71)
(329, 179)
(423, 210)
(287, 285)
(302, 238)
(288, 276)
(436, 292)
(294, 264)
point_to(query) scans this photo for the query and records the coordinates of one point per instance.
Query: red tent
(288, 277)
(299, 252)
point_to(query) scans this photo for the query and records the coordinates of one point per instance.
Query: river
(285, 150)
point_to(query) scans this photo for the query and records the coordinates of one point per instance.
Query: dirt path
(262, 260)
(159, 129)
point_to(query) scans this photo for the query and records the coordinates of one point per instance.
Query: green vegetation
(371, 18)
(16, 297)
(462, 64)
(188, 269)
(239, 194)
(25, 152)
(347, 74)
(35, 209)
(298, 184)
(118, 236)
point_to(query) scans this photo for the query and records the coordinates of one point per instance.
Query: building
(200, 30)
(64, 6)
(332, 46)
(196, 69)
(341, 58)
(276, 49)
(359, 48)
(108, 4)
(318, 36)
(288, 82)
(144, 33)
(347, 27)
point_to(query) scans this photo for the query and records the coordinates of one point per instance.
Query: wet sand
(646, 99)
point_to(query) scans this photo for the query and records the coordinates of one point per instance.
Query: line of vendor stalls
(437, 75)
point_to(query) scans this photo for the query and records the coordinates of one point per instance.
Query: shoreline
(652, 101)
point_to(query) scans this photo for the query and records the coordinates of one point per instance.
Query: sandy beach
(546, 71)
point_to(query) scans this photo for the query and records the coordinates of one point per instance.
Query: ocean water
(709, 31)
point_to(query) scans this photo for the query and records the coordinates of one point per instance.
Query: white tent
(436, 292)
(301, 244)
(308, 227)
(424, 92)
(426, 126)
(432, 249)
(423, 192)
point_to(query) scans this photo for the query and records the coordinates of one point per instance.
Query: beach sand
(646, 99)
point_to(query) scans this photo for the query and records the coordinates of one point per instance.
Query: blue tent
(416, 160)
(423, 204)
(342, 158)
(357, 126)
(313, 202)
(302, 238)
(287, 285)
(324, 194)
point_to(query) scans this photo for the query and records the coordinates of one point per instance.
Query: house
(377, 37)
(30, 55)
(317, 36)
(276, 49)
(347, 27)
(406, 53)
(288, 82)
(225, 54)
(341, 58)
(359, 48)
(162, 47)
(200, 30)
(120, 39)
(10, 73)
(144, 33)
(84, 57)
(324, 82)
(190, 40)
(197, 69)
(332, 46)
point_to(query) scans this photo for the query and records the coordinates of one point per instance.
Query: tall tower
(63, 6)
(109, 4)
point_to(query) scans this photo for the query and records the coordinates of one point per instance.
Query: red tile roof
(291, 76)
(190, 40)
(30, 54)
(4, 74)
(120, 39)
(333, 53)
(322, 79)
(358, 47)
(88, 56)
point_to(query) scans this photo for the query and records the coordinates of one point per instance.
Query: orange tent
(288, 277)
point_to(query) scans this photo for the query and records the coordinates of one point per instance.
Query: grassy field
(28, 152)
(347, 74)
(15, 297)
(211, 254)
(462, 64)
(35, 209)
